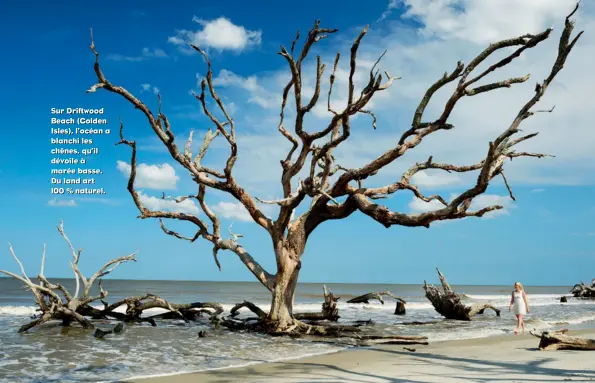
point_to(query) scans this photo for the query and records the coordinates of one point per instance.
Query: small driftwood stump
(329, 312)
(448, 302)
(558, 340)
(582, 290)
(400, 308)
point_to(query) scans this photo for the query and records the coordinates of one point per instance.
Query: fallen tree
(56, 302)
(332, 191)
(448, 303)
(583, 290)
(558, 340)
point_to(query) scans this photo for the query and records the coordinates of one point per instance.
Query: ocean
(52, 353)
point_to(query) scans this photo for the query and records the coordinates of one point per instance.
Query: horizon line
(310, 283)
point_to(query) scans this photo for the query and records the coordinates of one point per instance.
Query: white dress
(518, 306)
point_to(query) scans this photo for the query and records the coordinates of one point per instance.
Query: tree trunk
(281, 314)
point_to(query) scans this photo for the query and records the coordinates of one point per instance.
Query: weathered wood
(55, 302)
(583, 290)
(250, 306)
(558, 340)
(448, 303)
(99, 333)
(329, 312)
(365, 298)
(400, 308)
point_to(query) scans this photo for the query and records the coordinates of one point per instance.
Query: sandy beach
(495, 359)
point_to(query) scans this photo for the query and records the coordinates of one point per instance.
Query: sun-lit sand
(496, 359)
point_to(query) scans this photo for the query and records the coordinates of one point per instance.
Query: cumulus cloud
(487, 20)
(220, 34)
(62, 202)
(258, 94)
(151, 176)
(435, 179)
(153, 203)
(232, 210)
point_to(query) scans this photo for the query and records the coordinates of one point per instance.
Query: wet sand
(496, 359)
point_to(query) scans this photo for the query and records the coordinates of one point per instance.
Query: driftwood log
(365, 298)
(56, 302)
(448, 303)
(559, 340)
(329, 312)
(583, 290)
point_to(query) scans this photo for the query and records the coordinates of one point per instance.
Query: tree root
(448, 302)
(558, 340)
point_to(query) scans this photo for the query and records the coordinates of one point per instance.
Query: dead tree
(333, 191)
(582, 290)
(54, 300)
(448, 303)
(558, 340)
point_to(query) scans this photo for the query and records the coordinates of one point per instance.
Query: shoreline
(459, 360)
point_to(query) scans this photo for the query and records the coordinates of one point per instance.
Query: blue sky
(546, 237)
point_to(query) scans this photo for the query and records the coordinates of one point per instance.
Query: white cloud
(62, 202)
(151, 176)
(220, 34)
(258, 94)
(486, 200)
(419, 206)
(149, 88)
(488, 20)
(153, 203)
(538, 190)
(146, 53)
(435, 179)
(392, 5)
(232, 210)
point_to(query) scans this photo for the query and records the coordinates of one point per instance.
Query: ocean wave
(575, 320)
(389, 305)
(18, 310)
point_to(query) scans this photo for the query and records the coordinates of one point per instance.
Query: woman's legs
(521, 322)
(518, 324)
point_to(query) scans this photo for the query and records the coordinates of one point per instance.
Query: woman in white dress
(519, 305)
